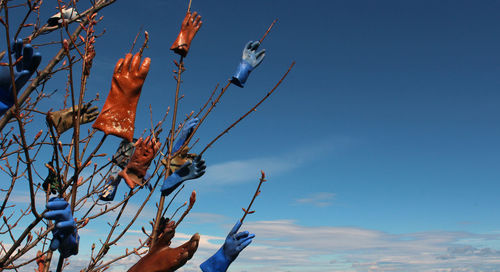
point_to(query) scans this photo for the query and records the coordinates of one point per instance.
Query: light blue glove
(249, 61)
(111, 185)
(189, 170)
(22, 72)
(234, 244)
(185, 133)
(65, 234)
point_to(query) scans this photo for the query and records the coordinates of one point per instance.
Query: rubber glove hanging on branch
(118, 114)
(190, 26)
(111, 185)
(161, 257)
(186, 131)
(63, 119)
(135, 171)
(123, 153)
(249, 61)
(234, 244)
(64, 235)
(183, 156)
(190, 170)
(23, 70)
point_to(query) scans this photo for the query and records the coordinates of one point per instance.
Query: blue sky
(381, 146)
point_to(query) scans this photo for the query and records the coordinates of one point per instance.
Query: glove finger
(190, 247)
(243, 245)
(27, 55)
(255, 45)
(199, 174)
(66, 226)
(201, 168)
(35, 62)
(248, 46)
(57, 203)
(17, 48)
(138, 142)
(58, 215)
(136, 61)
(126, 63)
(241, 235)
(143, 72)
(235, 229)
(197, 20)
(54, 244)
(22, 78)
(118, 66)
(200, 164)
(93, 110)
(260, 56)
(192, 17)
(242, 240)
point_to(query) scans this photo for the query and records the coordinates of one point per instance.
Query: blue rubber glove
(111, 185)
(65, 234)
(234, 244)
(22, 72)
(249, 61)
(189, 170)
(185, 133)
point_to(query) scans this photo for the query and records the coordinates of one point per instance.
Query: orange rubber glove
(190, 26)
(134, 172)
(163, 258)
(118, 114)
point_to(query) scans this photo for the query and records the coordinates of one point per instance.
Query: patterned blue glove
(65, 234)
(111, 185)
(185, 133)
(234, 244)
(249, 61)
(22, 72)
(189, 170)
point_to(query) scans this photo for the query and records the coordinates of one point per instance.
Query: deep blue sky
(388, 123)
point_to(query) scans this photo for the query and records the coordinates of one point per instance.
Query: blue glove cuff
(170, 184)
(241, 74)
(217, 263)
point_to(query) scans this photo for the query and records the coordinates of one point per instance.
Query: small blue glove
(65, 234)
(249, 61)
(189, 170)
(111, 185)
(22, 72)
(185, 133)
(234, 244)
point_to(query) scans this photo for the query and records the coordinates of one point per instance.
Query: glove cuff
(170, 184)
(217, 263)
(241, 74)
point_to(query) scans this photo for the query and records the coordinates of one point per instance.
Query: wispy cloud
(322, 199)
(238, 171)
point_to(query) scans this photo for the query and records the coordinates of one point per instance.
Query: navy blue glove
(249, 61)
(185, 133)
(22, 72)
(234, 244)
(65, 234)
(111, 185)
(189, 170)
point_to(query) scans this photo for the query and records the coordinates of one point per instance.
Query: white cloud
(238, 171)
(322, 199)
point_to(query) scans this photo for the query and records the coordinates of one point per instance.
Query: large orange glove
(189, 28)
(144, 153)
(163, 258)
(118, 114)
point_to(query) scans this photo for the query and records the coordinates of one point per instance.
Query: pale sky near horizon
(380, 147)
